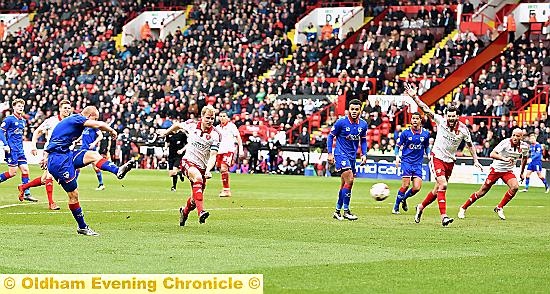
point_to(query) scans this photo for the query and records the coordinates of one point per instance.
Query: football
(379, 191)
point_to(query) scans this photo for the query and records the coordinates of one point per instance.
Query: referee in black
(175, 144)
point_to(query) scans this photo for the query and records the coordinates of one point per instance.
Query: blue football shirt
(348, 135)
(89, 135)
(414, 145)
(13, 128)
(65, 133)
(536, 153)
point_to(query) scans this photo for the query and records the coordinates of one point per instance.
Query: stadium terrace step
(425, 59)
(271, 72)
(532, 111)
(467, 69)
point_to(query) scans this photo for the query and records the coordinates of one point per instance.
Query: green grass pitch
(281, 227)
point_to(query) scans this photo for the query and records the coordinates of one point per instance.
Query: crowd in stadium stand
(524, 65)
(68, 53)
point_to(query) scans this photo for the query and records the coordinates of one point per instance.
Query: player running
(11, 135)
(62, 162)
(203, 142)
(450, 133)
(175, 144)
(505, 155)
(536, 163)
(46, 129)
(230, 138)
(90, 141)
(413, 143)
(349, 131)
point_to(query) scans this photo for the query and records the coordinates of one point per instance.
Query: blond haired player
(203, 142)
(230, 138)
(46, 129)
(504, 156)
(450, 133)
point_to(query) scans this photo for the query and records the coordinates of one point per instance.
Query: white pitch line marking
(15, 204)
(213, 209)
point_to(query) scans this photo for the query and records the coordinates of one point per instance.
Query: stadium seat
(385, 129)
(369, 140)
(376, 136)
(316, 121)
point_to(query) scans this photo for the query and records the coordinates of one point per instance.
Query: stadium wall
(15, 22)
(320, 16)
(159, 21)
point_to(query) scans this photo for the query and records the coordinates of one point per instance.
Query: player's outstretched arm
(474, 155)
(174, 128)
(522, 168)
(335, 131)
(3, 129)
(35, 135)
(97, 140)
(211, 163)
(240, 144)
(182, 150)
(496, 155)
(95, 124)
(412, 92)
(364, 148)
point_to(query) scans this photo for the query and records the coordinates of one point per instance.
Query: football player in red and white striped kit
(505, 156)
(450, 133)
(203, 142)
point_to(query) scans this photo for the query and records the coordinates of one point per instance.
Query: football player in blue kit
(62, 162)
(413, 144)
(11, 135)
(350, 132)
(90, 141)
(535, 165)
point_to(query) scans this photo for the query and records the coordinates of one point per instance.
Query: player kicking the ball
(203, 141)
(413, 143)
(62, 162)
(349, 131)
(450, 133)
(505, 155)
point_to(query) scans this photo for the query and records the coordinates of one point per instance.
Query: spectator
(304, 138)
(145, 32)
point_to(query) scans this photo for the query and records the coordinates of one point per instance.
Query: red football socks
(225, 180)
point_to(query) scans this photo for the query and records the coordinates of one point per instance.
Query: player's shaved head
(518, 131)
(517, 136)
(90, 112)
